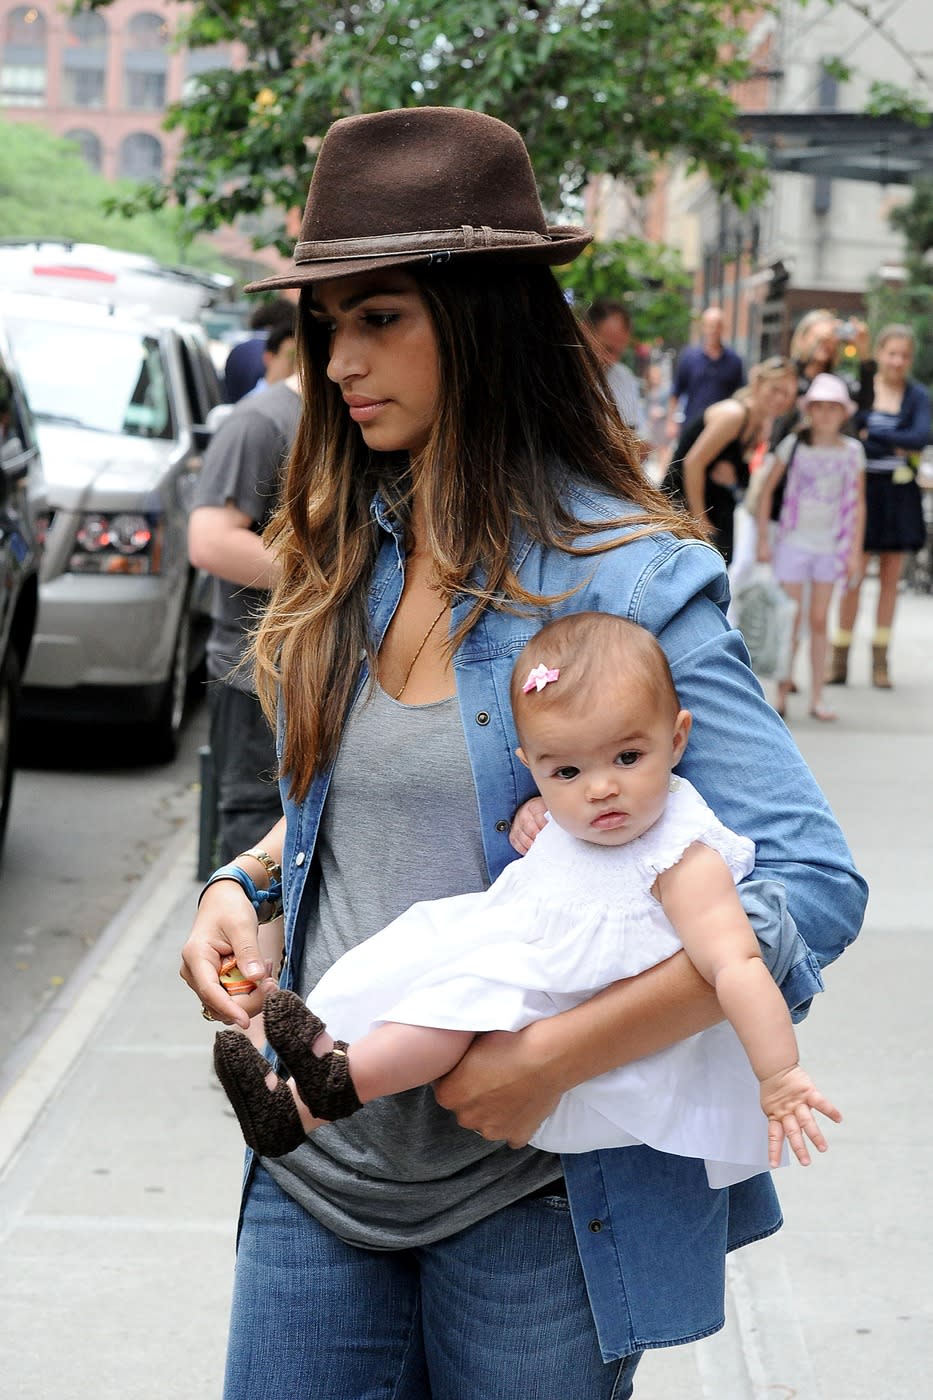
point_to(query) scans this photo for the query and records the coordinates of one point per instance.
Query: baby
(631, 867)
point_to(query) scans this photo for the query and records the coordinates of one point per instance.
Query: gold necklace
(424, 642)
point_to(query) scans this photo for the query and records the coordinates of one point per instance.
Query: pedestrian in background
(278, 357)
(707, 373)
(236, 495)
(821, 524)
(244, 364)
(894, 427)
(611, 325)
(709, 470)
(459, 476)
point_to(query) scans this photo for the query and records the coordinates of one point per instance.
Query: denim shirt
(652, 1236)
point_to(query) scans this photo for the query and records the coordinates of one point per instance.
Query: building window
(200, 61)
(89, 145)
(84, 62)
(145, 63)
(140, 157)
(23, 65)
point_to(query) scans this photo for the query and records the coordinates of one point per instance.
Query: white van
(106, 276)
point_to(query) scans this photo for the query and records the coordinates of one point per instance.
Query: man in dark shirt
(706, 373)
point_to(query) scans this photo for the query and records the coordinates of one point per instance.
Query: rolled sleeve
(742, 758)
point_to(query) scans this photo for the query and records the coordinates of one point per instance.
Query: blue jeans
(496, 1312)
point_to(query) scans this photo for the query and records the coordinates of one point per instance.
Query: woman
(894, 427)
(709, 471)
(460, 474)
(816, 345)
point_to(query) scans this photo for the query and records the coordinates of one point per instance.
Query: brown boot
(838, 672)
(879, 668)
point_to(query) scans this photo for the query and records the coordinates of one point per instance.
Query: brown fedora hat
(421, 185)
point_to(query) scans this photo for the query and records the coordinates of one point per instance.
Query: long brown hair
(523, 403)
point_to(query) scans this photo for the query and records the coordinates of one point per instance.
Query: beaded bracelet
(256, 897)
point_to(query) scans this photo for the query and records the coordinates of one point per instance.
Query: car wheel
(9, 701)
(166, 727)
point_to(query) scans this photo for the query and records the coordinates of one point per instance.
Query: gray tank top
(400, 824)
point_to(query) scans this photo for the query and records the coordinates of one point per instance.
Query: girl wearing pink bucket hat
(822, 520)
(459, 476)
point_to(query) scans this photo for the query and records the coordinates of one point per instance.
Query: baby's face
(604, 775)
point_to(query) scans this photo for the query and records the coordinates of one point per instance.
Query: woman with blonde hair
(709, 471)
(893, 428)
(460, 475)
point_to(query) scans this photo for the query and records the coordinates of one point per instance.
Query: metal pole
(207, 813)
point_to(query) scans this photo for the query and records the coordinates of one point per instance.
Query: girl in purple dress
(822, 521)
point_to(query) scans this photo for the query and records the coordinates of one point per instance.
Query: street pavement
(119, 1162)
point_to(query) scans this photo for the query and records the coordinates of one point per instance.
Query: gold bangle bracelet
(271, 867)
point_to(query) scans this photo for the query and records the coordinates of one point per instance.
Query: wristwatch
(271, 867)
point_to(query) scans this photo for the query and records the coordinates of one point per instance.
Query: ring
(207, 1013)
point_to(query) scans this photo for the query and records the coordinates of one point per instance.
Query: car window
(15, 437)
(109, 379)
(195, 409)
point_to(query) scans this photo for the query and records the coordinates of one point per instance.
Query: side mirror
(14, 460)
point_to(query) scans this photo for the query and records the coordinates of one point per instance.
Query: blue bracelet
(257, 898)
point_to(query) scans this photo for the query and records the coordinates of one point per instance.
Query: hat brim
(849, 405)
(563, 246)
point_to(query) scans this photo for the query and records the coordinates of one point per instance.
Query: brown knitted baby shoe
(268, 1117)
(323, 1081)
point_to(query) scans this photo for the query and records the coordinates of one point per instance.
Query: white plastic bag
(765, 617)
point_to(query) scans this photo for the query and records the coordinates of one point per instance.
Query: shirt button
(595, 1226)
(300, 858)
(503, 826)
(482, 717)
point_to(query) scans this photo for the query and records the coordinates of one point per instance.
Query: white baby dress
(556, 927)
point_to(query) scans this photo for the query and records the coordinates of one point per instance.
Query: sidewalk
(119, 1166)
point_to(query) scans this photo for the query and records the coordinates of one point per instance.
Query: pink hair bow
(540, 676)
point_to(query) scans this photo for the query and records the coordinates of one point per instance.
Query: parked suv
(20, 501)
(120, 400)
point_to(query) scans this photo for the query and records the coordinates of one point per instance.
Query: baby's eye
(627, 757)
(566, 773)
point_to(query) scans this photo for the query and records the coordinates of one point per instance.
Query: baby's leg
(393, 1057)
(335, 1079)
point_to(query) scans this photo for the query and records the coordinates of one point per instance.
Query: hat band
(387, 245)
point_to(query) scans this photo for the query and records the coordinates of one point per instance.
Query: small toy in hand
(232, 979)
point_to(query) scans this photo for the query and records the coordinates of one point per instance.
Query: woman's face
(822, 343)
(383, 356)
(776, 395)
(895, 357)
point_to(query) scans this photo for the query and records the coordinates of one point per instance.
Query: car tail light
(117, 544)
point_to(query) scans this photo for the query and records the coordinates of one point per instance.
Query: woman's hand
(226, 925)
(527, 822)
(862, 340)
(505, 1086)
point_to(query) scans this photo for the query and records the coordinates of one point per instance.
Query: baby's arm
(699, 897)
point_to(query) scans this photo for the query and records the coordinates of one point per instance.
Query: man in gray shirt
(237, 492)
(611, 326)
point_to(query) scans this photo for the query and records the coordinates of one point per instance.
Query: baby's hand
(527, 822)
(787, 1098)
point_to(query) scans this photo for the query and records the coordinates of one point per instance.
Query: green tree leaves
(593, 85)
